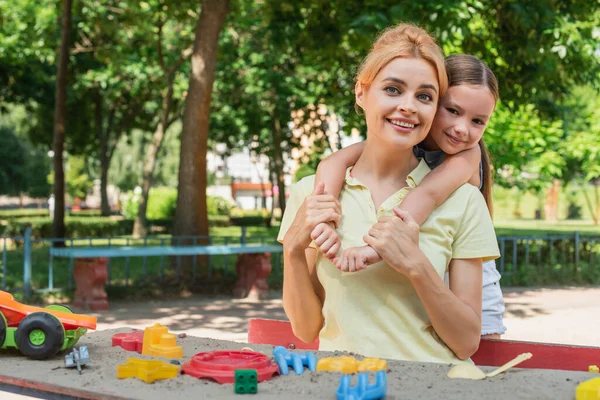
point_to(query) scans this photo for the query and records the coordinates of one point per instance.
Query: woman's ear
(359, 94)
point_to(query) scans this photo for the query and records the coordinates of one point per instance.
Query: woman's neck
(429, 144)
(383, 169)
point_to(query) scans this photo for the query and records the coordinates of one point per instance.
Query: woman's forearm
(300, 300)
(456, 323)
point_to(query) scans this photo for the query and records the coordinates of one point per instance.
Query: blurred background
(138, 120)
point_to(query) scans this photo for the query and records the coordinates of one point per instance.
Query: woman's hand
(317, 208)
(396, 240)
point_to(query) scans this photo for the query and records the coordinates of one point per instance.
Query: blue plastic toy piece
(284, 358)
(362, 390)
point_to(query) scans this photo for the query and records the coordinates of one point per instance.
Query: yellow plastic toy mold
(147, 370)
(593, 368)
(588, 390)
(372, 364)
(158, 342)
(349, 365)
(343, 364)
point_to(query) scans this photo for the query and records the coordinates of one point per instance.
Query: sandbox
(406, 380)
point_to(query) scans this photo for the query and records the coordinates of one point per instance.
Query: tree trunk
(191, 216)
(60, 110)
(597, 201)
(140, 226)
(551, 207)
(278, 161)
(103, 137)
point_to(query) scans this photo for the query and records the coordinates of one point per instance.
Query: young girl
(454, 148)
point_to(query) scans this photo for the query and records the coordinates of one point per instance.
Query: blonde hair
(403, 41)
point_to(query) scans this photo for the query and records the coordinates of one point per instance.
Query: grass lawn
(533, 227)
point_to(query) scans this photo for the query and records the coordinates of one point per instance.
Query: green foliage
(12, 163)
(161, 203)
(217, 205)
(76, 227)
(241, 217)
(303, 171)
(78, 181)
(23, 213)
(130, 204)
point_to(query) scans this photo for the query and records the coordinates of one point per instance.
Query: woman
(399, 308)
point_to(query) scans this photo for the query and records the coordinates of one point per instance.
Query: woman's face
(462, 117)
(400, 103)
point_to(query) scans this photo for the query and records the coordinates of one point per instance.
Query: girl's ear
(359, 94)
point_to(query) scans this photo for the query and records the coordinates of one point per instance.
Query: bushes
(216, 205)
(24, 213)
(241, 217)
(75, 226)
(161, 204)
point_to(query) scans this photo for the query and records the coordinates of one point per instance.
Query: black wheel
(40, 335)
(2, 329)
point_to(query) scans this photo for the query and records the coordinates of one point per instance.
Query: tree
(58, 226)
(12, 163)
(191, 216)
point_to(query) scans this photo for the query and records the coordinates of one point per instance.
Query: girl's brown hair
(464, 69)
(404, 41)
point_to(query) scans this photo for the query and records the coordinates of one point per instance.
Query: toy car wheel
(2, 329)
(59, 307)
(40, 335)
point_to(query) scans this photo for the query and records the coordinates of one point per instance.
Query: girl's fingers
(351, 264)
(319, 229)
(333, 250)
(321, 239)
(327, 244)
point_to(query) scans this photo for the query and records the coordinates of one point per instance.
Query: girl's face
(462, 117)
(400, 103)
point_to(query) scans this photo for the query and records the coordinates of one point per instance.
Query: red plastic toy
(221, 365)
(130, 341)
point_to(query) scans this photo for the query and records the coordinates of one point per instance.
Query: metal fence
(27, 264)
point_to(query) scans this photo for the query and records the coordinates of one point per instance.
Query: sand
(406, 380)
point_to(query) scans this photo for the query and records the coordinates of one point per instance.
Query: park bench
(253, 266)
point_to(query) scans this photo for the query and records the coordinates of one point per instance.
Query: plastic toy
(146, 370)
(284, 358)
(158, 342)
(130, 341)
(77, 358)
(350, 365)
(362, 390)
(40, 332)
(221, 365)
(153, 341)
(246, 381)
(593, 368)
(588, 390)
(343, 364)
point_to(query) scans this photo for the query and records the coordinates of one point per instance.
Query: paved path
(566, 315)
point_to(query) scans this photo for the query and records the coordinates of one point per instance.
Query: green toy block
(246, 381)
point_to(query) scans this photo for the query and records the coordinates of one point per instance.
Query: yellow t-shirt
(376, 312)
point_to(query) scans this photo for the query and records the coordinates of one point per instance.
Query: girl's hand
(317, 208)
(356, 259)
(327, 239)
(396, 240)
